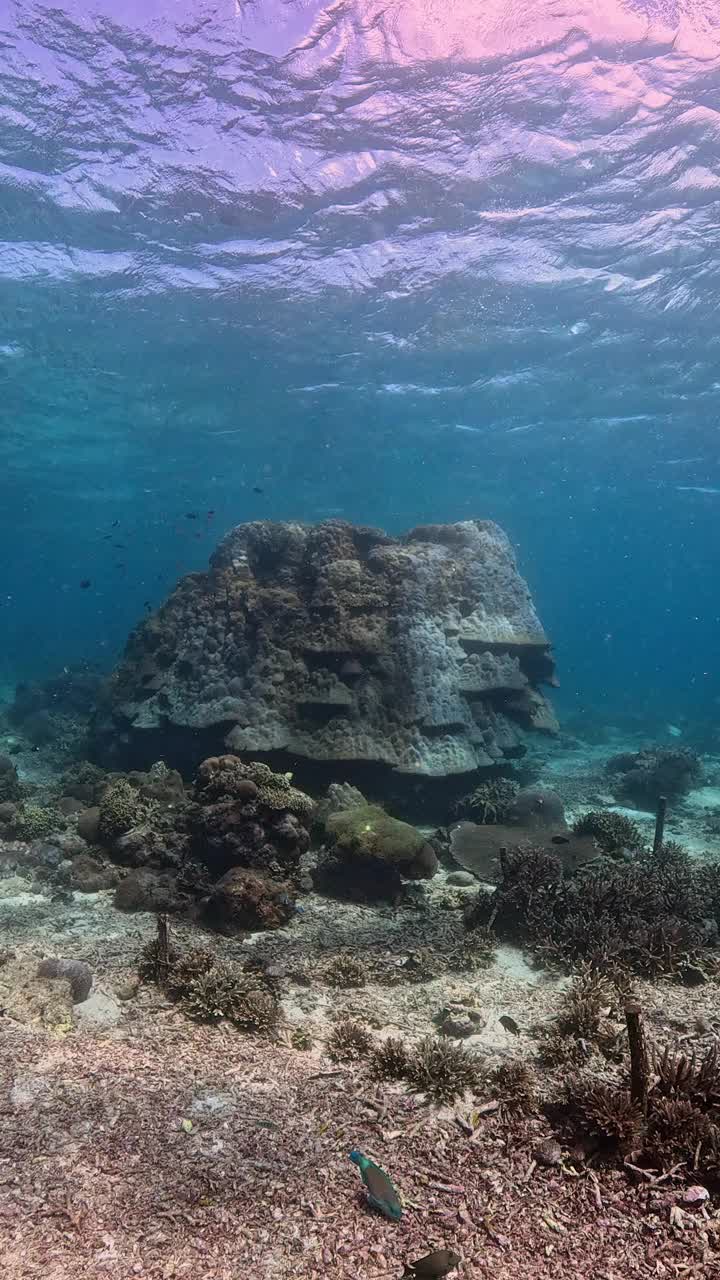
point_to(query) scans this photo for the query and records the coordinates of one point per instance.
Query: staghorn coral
(344, 971)
(489, 802)
(657, 913)
(679, 1131)
(151, 966)
(442, 1069)
(185, 969)
(226, 992)
(612, 831)
(349, 1041)
(390, 1060)
(682, 1076)
(514, 1085)
(609, 1113)
(301, 1039)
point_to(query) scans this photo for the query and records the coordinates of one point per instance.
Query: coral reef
(640, 778)
(244, 900)
(613, 832)
(368, 854)
(657, 913)
(227, 992)
(333, 644)
(36, 821)
(120, 809)
(245, 815)
(515, 1087)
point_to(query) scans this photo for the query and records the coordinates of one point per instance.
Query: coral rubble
(338, 645)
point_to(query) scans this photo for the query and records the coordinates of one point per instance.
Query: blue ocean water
(395, 262)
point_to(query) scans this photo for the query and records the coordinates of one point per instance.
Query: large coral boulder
(369, 854)
(336, 645)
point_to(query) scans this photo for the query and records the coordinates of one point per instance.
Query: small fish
(381, 1192)
(674, 731)
(433, 1265)
(85, 583)
(114, 524)
(509, 1024)
(191, 515)
(147, 604)
(120, 546)
(257, 489)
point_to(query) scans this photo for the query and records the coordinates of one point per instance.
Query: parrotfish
(381, 1193)
(433, 1265)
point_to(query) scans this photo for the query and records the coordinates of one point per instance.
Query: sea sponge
(120, 809)
(76, 972)
(442, 1069)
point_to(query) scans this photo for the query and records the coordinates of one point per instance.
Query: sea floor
(134, 1142)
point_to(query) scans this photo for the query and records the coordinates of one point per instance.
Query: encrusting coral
(368, 855)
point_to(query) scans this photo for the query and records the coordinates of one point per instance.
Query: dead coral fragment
(442, 1070)
(349, 1042)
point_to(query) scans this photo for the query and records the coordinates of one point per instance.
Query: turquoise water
(288, 260)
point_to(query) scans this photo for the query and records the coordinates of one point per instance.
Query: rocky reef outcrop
(324, 647)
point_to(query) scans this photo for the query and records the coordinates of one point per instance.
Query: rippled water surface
(396, 261)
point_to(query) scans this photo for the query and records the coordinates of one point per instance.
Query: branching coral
(349, 1041)
(489, 802)
(514, 1086)
(640, 778)
(226, 992)
(390, 1060)
(651, 915)
(442, 1070)
(35, 821)
(612, 832)
(609, 1112)
(344, 971)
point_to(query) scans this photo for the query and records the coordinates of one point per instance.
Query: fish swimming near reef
(432, 1266)
(381, 1193)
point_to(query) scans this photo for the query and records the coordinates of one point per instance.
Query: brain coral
(333, 643)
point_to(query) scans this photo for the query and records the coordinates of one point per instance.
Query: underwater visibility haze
(396, 263)
(359, 617)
